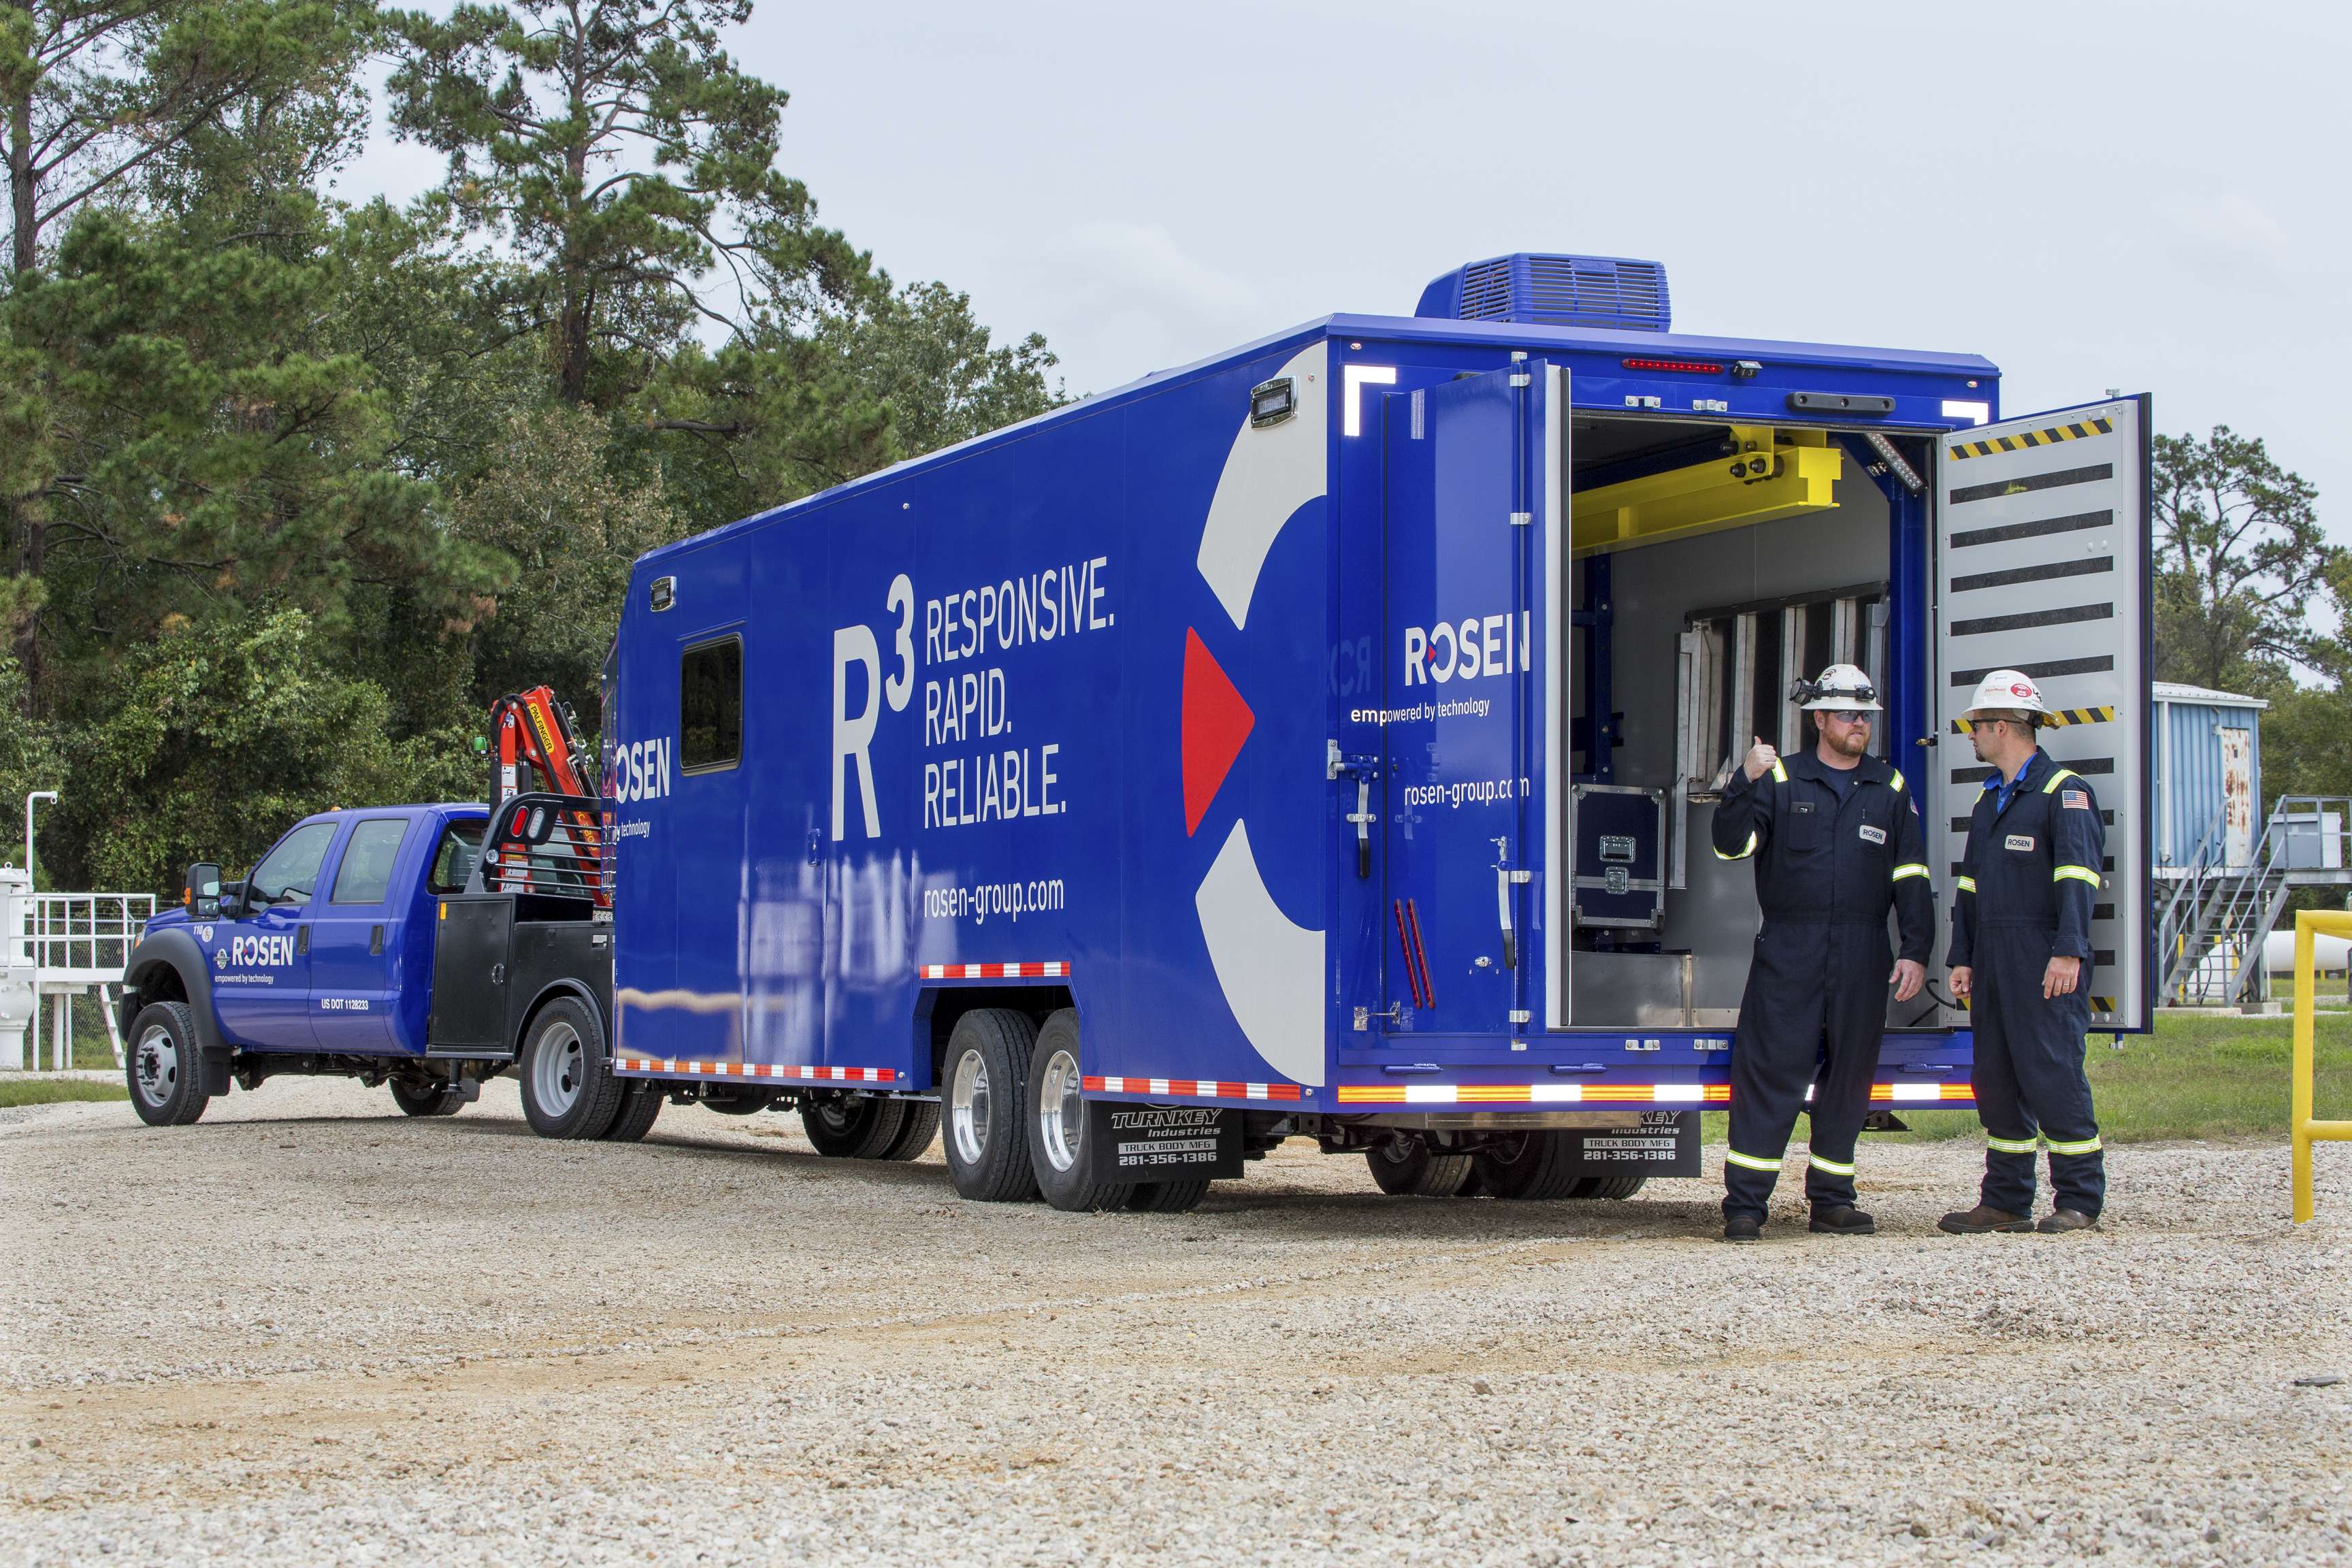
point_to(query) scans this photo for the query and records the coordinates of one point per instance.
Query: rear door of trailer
(2044, 564)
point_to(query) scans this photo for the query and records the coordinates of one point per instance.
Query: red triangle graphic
(1216, 723)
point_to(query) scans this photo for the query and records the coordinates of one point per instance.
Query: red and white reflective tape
(757, 1069)
(1053, 970)
(1191, 1088)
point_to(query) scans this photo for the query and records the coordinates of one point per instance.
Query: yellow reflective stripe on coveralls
(2060, 776)
(2086, 1146)
(2078, 873)
(1743, 855)
(1779, 774)
(1897, 780)
(2011, 1145)
(1913, 869)
(1966, 884)
(1735, 1157)
(1832, 1166)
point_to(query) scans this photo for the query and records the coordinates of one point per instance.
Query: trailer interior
(1713, 566)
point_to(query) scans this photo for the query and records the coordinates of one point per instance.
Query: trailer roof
(1535, 338)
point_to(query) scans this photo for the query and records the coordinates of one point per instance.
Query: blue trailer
(1310, 741)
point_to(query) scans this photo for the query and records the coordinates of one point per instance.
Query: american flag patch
(2079, 799)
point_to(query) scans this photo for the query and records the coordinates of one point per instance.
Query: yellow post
(2302, 1130)
(2298, 1114)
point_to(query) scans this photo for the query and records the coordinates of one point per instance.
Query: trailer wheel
(1611, 1187)
(1166, 1197)
(854, 1126)
(985, 1089)
(1058, 1122)
(922, 1129)
(167, 1080)
(1404, 1166)
(640, 1104)
(568, 1087)
(425, 1097)
(1533, 1167)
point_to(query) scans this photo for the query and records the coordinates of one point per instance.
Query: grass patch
(53, 1091)
(2218, 1077)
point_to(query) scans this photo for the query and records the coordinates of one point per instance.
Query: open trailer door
(1476, 737)
(2042, 563)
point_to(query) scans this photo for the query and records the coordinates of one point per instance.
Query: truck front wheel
(985, 1090)
(568, 1087)
(167, 1080)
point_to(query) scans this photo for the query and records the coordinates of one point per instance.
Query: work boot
(1743, 1227)
(1843, 1219)
(1980, 1219)
(2061, 1221)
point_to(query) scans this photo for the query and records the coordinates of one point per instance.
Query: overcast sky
(2149, 197)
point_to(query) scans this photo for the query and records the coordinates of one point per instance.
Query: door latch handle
(1502, 903)
(1362, 816)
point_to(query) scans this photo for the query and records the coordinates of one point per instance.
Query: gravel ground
(309, 1330)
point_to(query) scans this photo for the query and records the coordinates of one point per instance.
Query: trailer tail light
(1687, 366)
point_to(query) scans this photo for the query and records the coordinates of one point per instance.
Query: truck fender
(175, 951)
(565, 986)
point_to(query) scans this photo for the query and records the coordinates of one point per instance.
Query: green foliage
(926, 360)
(2242, 560)
(30, 755)
(16, 1091)
(211, 740)
(622, 154)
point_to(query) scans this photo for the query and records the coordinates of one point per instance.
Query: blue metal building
(2207, 759)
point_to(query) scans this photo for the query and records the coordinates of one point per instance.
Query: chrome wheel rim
(1061, 1111)
(155, 1064)
(968, 1106)
(558, 1069)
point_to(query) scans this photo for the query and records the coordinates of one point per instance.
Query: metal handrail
(2211, 901)
(68, 935)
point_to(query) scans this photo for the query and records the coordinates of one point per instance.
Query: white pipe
(47, 795)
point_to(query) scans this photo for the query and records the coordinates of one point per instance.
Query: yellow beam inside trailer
(1724, 492)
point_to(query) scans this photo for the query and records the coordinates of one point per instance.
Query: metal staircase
(2212, 916)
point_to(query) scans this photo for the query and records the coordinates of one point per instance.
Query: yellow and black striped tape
(2024, 438)
(2103, 1005)
(2057, 718)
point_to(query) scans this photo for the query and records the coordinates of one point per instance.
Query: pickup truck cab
(333, 956)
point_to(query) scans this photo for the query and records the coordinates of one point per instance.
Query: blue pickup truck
(368, 943)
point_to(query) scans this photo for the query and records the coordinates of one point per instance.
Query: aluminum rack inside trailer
(1329, 730)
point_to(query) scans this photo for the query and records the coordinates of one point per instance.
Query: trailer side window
(710, 706)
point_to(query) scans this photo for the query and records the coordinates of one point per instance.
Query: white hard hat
(1841, 688)
(2009, 691)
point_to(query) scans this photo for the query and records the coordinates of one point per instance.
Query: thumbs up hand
(1760, 758)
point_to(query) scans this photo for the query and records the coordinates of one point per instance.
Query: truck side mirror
(201, 893)
(230, 905)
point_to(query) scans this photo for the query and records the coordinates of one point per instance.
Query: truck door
(262, 964)
(2042, 563)
(354, 988)
(1473, 565)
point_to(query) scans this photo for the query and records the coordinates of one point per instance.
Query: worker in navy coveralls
(2022, 953)
(1837, 842)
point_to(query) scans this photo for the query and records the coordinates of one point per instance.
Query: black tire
(922, 1129)
(854, 1126)
(1058, 1122)
(1530, 1167)
(1404, 1167)
(1611, 1187)
(640, 1103)
(1166, 1197)
(164, 1067)
(425, 1097)
(984, 1093)
(568, 1089)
